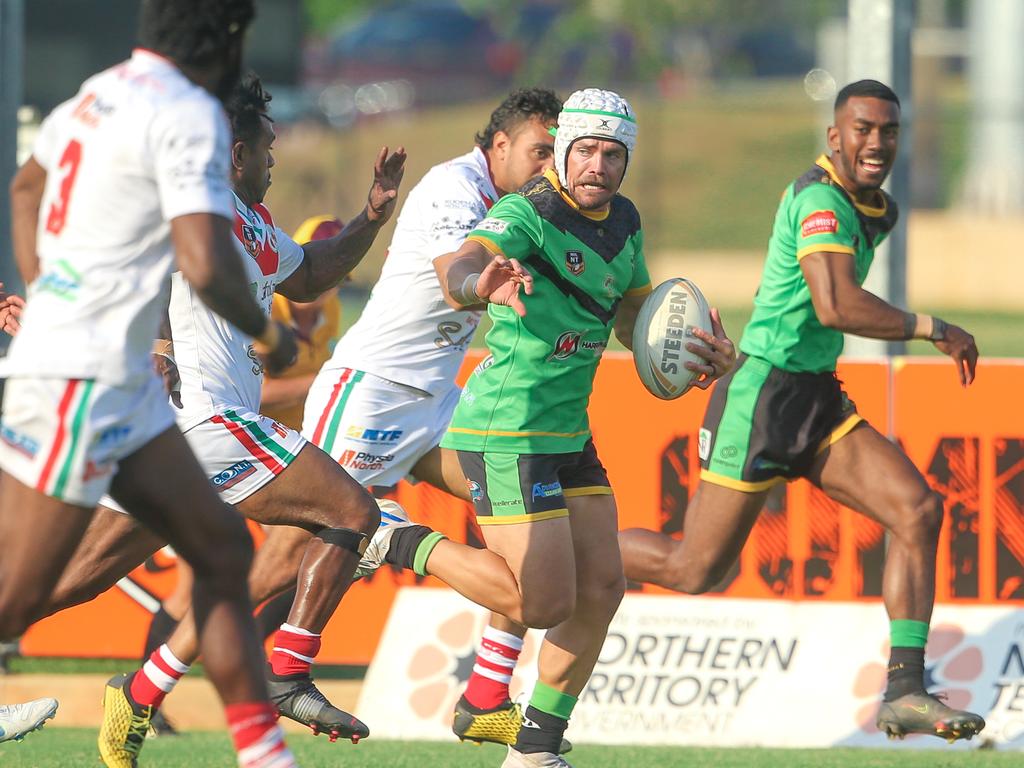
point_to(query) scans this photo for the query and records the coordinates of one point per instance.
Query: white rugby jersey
(407, 333)
(216, 362)
(138, 145)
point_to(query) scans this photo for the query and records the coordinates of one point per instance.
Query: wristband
(938, 330)
(466, 293)
(923, 326)
(270, 337)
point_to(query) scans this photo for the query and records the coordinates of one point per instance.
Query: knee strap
(346, 538)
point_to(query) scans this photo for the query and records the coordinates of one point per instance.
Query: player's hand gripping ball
(664, 325)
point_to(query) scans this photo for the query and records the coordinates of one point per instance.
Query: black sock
(404, 542)
(906, 672)
(274, 613)
(160, 628)
(543, 735)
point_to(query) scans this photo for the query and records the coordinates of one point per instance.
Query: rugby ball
(663, 327)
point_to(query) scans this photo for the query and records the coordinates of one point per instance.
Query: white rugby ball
(663, 327)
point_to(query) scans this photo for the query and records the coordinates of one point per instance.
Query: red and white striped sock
(492, 672)
(295, 649)
(257, 736)
(157, 677)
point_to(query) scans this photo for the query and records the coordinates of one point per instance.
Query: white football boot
(17, 720)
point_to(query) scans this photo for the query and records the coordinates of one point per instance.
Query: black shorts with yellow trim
(765, 425)
(520, 488)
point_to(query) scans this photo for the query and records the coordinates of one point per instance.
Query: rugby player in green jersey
(782, 414)
(560, 264)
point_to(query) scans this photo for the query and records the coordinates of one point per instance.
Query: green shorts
(523, 488)
(764, 425)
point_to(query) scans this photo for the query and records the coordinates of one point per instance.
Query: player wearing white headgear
(521, 432)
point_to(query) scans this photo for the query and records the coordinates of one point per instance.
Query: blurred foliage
(324, 15)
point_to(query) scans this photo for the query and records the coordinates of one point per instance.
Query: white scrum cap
(597, 114)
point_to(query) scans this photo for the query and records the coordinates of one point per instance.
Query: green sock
(907, 633)
(547, 699)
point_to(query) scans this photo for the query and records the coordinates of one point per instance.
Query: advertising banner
(706, 672)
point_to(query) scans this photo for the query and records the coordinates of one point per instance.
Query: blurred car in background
(427, 52)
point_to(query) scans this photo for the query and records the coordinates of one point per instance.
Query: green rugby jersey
(816, 214)
(531, 395)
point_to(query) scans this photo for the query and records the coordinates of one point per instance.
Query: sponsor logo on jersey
(21, 443)
(279, 428)
(571, 342)
(819, 223)
(497, 226)
(704, 444)
(234, 474)
(63, 281)
(567, 345)
(113, 435)
(450, 337)
(363, 460)
(476, 493)
(574, 262)
(484, 364)
(546, 490)
(376, 436)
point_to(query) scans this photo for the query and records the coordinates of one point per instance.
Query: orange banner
(970, 444)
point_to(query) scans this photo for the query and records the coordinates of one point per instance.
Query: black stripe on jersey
(538, 264)
(871, 226)
(606, 238)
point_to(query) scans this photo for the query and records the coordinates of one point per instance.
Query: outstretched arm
(841, 303)
(326, 262)
(472, 276)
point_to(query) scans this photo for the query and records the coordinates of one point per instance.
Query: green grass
(76, 747)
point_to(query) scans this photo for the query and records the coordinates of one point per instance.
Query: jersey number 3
(69, 161)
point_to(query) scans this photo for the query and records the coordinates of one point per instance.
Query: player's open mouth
(873, 165)
(591, 185)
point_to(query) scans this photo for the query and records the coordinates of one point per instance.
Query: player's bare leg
(717, 524)
(485, 711)
(851, 471)
(182, 507)
(32, 556)
(571, 648)
(338, 515)
(112, 546)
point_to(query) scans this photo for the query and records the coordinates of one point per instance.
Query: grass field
(59, 748)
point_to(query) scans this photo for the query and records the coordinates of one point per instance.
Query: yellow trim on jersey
(490, 245)
(642, 290)
(587, 490)
(823, 248)
(500, 433)
(536, 517)
(841, 431)
(867, 210)
(552, 176)
(740, 485)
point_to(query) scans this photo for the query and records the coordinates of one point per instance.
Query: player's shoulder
(462, 178)
(624, 214)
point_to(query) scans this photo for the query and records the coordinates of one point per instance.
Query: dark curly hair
(193, 32)
(245, 106)
(519, 106)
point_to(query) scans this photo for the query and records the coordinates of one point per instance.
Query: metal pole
(996, 76)
(12, 27)
(879, 47)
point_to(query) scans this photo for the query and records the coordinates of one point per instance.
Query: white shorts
(65, 437)
(240, 451)
(375, 428)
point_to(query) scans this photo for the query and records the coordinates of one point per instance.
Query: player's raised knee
(923, 518)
